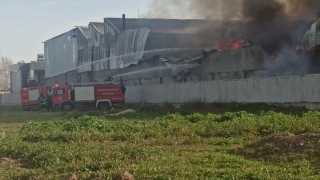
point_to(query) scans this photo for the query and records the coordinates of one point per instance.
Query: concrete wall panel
(15, 81)
(11, 99)
(293, 89)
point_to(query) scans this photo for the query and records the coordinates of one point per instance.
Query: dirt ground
(284, 144)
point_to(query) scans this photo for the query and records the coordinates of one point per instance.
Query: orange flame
(272, 56)
(298, 48)
(228, 46)
(218, 47)
(237, 44)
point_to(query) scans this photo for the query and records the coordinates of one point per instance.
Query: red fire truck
(30, 95)
(66, 97)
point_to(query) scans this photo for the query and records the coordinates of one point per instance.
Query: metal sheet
(312, 36)
(84, 93)
(164, 25)
(33, 94)
(130, 46)
(60, 54)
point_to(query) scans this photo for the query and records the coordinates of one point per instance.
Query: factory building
(121, 47)
(115, 44)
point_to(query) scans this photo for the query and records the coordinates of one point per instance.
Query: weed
(155, 144)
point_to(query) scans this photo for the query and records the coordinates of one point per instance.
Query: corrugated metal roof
(162, 25)
(84, 30)
(99, 26)
(60, 35)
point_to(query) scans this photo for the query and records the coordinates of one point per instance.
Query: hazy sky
(25, 24)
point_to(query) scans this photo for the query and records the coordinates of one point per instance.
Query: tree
(5, 63)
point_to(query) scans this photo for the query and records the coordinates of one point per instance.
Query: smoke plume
(269, 23)
(262, 10)
(273, 24)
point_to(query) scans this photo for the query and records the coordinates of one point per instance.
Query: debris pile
(284, 144)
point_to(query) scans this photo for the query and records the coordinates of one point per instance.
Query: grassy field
(215, 141)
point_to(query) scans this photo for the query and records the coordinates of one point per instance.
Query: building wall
(213, 68)
(158, 40)
(83, 48)
(15, 80)
(96, 42)
(70, 77)
(36, 65)
(95, 50)
(291, 89)
(130, 46)
(247, 58)
(246, 62)
(110, 32)
(60, 54)
(16, 67)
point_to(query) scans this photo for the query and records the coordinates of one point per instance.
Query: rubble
(283, 144)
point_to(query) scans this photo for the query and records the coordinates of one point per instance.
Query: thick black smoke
(272, 24)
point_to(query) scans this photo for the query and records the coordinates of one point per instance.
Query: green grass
(158, 143)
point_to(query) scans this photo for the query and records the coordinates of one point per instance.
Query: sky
(25, 24)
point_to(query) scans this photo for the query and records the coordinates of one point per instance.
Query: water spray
(121, 56)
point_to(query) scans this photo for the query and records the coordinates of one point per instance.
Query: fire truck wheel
(104, 105)
(67, 106)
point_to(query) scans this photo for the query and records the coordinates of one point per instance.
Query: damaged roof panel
(84, 30)
(163, 25)
(99, 26)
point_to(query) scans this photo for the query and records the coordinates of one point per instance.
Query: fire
(272, 56)
(298, 48)
(316, 48)
(237, 44)
(218, 47)
(228, 46)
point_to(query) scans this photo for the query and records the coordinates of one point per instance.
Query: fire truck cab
(102, 96)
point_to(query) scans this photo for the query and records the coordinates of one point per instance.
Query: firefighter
(42, 102)
(50, 104)
(123, 88)
(109, 79)
(72, 95)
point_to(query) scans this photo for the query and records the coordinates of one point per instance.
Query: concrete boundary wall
(10, 99)
(291, 89)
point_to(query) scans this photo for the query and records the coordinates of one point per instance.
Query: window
(59, 92)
